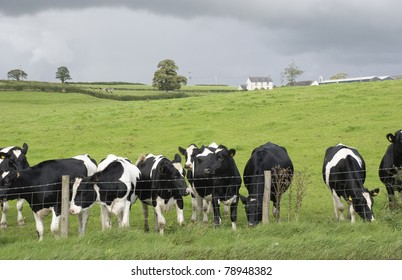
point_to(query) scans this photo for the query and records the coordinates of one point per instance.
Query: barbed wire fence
(296, 194)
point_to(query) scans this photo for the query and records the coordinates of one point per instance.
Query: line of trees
(62, 74)
(166, 77)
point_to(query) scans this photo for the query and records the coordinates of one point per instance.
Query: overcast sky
(211, 41)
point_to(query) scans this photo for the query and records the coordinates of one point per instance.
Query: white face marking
(189, 153)
(179, 167)
(366, 195)
(17, 153)
(4, 174)
(341, 154)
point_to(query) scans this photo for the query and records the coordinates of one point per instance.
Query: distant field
(306, 120)
(148, 90)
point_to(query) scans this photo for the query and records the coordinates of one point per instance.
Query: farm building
(303, 83)
(358, 80)
(254, 83)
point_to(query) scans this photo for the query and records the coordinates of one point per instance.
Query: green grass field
(306, 120)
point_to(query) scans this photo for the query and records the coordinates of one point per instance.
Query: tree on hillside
(166, 77)
(63, 74)
(340, 75)
(17, 74)
(291, 73)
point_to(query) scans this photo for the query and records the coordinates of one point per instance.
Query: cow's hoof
(3, 226)
(21, 223)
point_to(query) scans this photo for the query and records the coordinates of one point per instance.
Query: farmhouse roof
(260, 79)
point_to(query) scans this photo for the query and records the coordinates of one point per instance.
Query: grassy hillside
(306, 120)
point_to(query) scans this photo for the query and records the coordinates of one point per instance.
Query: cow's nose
(72, 212)
(207, 171)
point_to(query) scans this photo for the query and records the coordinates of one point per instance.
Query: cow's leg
(217, 214)
(233, 214)
(160, 220)
(145, 213)
(179, 210)
(39, 225)
(55, 225)
(338, 207)
(4, 210)
(194, 209)
(207, 207)
(105, 218)
(352, 212)
(125, 215)
(82, 221)
(391, 196)
(199, 207)
(20, 217)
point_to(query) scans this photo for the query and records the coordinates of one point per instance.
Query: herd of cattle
(212, 175)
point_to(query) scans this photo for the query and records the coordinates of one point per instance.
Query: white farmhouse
(254, 83)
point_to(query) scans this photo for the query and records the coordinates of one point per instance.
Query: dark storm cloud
(321, 36)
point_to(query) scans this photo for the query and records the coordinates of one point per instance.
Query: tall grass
(306, 120)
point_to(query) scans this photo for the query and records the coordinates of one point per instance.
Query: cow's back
(343, 165)
(51, 171)
(266, 157)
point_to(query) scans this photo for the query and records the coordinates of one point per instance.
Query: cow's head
(172, 173)
(14, 158)
(253, 209)
(220, 159)
(189, 155)
(396, 139)
(84, 193)
(363, 203)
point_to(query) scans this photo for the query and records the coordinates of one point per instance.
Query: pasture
(305, 120)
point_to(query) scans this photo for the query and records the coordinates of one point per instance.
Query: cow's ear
(24, 148)
(374, 192)
(350, 198)
(391, 137)
(177, 158)
(243, 199)
(232, 152)
(182, 150)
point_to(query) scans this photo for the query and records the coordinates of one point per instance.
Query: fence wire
(136, 219)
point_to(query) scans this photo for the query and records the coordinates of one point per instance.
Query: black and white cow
(189, 155)
(13, 158)
(162, 185)
(390, 170)
(344, 172)
(112, 186)
(273, 158)
(217, 179)
(40, 186)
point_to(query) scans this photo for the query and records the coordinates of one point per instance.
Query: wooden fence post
(266, 197)
(65, 205)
